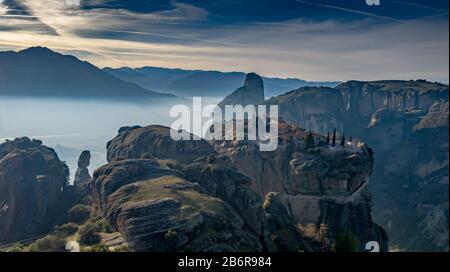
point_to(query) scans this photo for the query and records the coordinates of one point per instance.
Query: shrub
(50, 243)
(96, 248)
(79, 213)
(67, 229)
(122, 249)
(346, 242)
(16, 248)
(88, 234)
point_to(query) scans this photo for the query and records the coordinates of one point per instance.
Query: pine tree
(333, 141)
(328, 138)
(343, 140)
(309, 140)
(350, 140)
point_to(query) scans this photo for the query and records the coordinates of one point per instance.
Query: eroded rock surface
(154, 141)
(82, 175)
(191, 188)
(155, 209)
(32, 182)
(252, 93)
(406, 125)
(325, 185)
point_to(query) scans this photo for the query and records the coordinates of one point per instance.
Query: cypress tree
(328, 138)
(333, 141)
(309, 141)
(343, 140)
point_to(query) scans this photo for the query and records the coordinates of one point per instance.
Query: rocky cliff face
(413, 177)
(168, 203)
(155, 209)
(32, 182)
(154, 141)
(252, 93)
(320, 187)
(318, 108)
(221, 179)
(362, 99)
(406, 124)
(82, 175)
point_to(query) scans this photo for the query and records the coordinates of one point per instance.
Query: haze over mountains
(203, 83)
(39, 71)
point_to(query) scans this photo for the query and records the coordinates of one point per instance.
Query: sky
(322, 40)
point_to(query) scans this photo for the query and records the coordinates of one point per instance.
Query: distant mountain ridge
(203, 83)
(41, 72)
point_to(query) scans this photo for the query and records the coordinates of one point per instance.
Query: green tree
(346, 242)
(333, 141)
(309, 140)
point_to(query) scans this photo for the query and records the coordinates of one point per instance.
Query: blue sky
(310, 39)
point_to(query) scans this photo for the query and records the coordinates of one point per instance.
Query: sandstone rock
(82, 174)
(364, 98)
(316, 108)
(306, 179)
(218, 176)
(286, 235)
(157, 210)
(252, 93)
(406, 125)
(32, 183)
(154, 141)
(437, 116)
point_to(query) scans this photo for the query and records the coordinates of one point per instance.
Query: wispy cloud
(421, 6)
(364, 13)
(182, 36)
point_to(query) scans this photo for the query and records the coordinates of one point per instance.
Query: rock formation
(32, 182)
(183, 205)
(317, 108)
(221, 179)
(282, 226)
(154, 141)
(252, 93)
(82, 175)
(406, 125)
(322, 186)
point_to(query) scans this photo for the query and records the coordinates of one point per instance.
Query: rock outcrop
(406, 125)
(323, 186)
(282, 227)
(363, 98)
(82, 175)
(166, 195)
(32, 183)
(317, 108)
(252, 93)
(411, 186)
(154, 141)
(221, 179)
(437, 117)
(155, 209)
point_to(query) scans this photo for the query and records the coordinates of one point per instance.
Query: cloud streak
(183, 37)
(351, 11)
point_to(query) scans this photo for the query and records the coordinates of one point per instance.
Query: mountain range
(39, 71)
(203, 83)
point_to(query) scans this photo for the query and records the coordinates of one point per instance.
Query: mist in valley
(71, 126)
